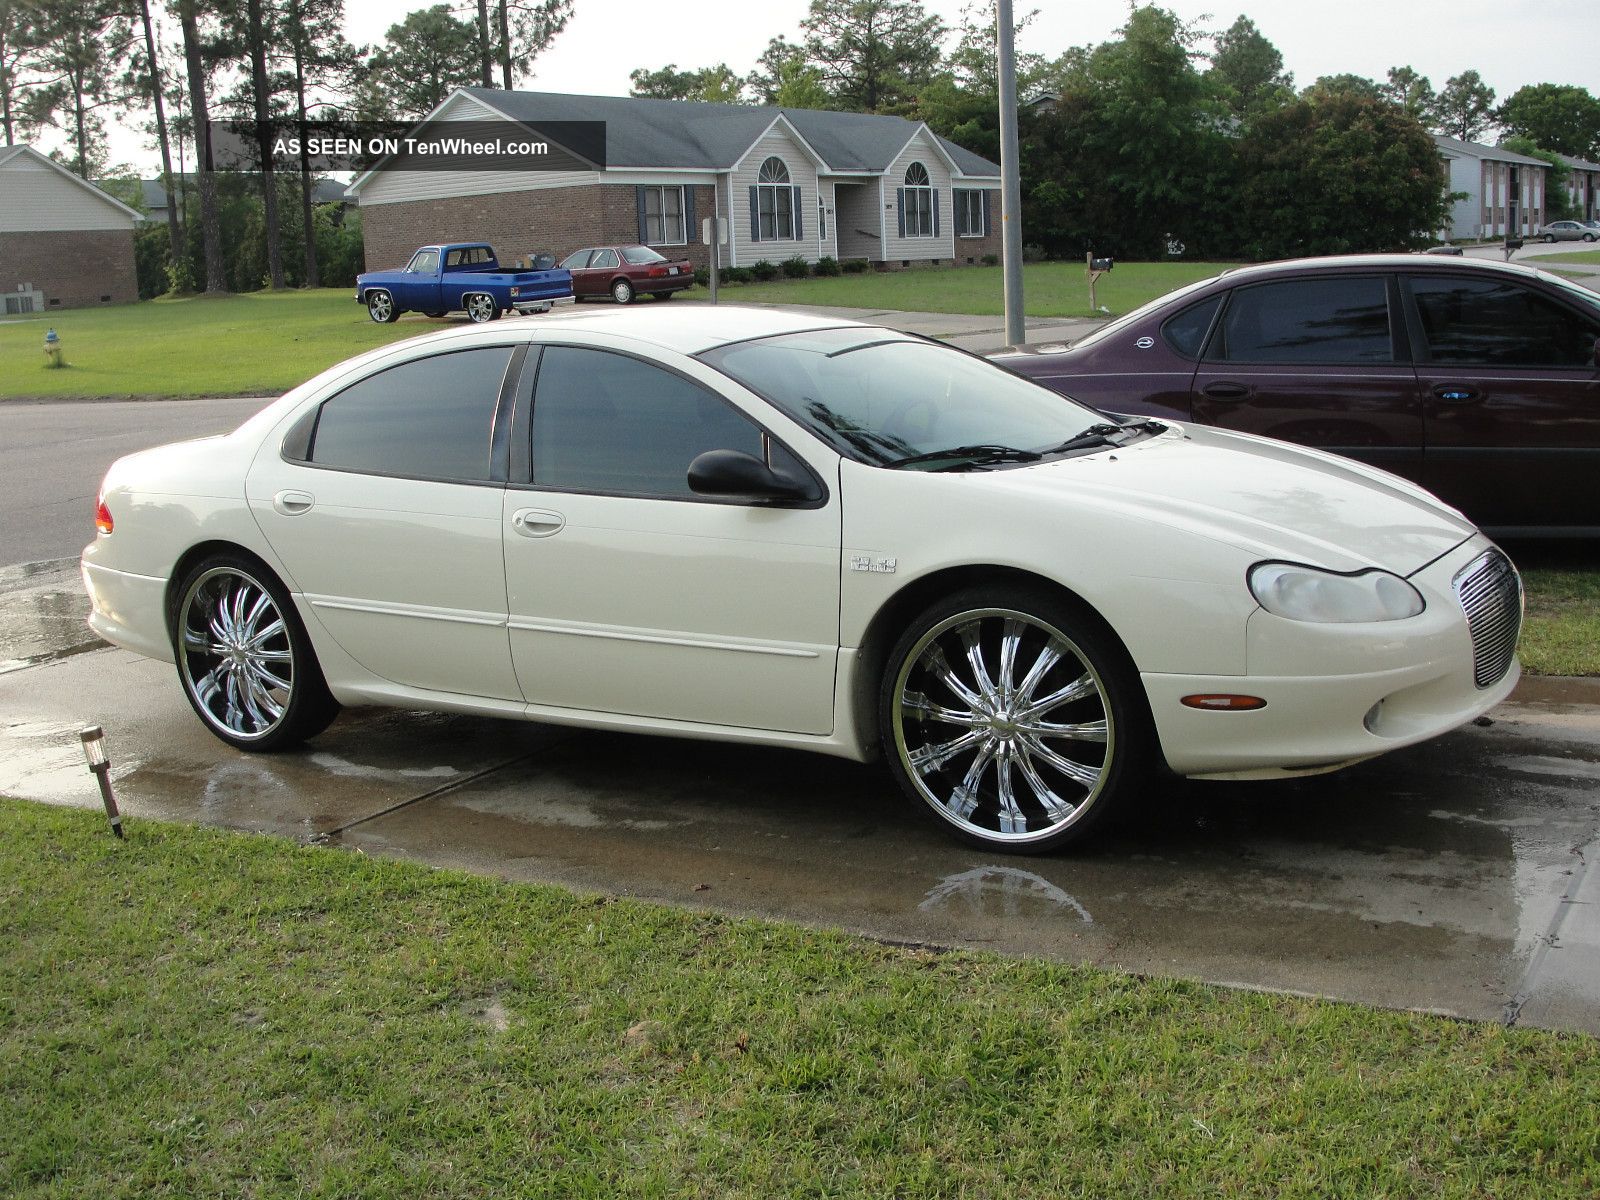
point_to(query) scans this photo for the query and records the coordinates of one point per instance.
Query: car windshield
(639, 255)
(885, 398)
(1140, 313)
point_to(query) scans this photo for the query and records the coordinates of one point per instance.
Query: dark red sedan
(1479, 380)
(623, 272)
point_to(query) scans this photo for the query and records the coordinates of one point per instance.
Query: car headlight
(1303, 593)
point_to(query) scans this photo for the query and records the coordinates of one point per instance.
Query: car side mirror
(737, 475)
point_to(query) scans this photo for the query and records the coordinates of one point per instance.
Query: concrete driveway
(1455, 877)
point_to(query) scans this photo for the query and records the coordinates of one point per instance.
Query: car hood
(1267, 497)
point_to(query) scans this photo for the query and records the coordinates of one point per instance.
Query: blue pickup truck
(461, 277)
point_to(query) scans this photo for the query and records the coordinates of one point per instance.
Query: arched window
(918, 201)
(774, 202)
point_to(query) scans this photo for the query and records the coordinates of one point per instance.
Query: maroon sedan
(624, 272)
(1479, 380)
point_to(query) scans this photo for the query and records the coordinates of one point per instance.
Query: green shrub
(827, 265)
(991, 260)
(702, 277)
(796, 267)
(763, 271)
(854, 266)
(1032, 253)
(735, 275)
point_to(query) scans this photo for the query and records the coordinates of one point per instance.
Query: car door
(1512, 395)
(630, 594)
(602, 268)
(1317, 359)
(583, 280)
(384, 505)
(419, 290)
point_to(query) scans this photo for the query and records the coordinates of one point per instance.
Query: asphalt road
(53, 456)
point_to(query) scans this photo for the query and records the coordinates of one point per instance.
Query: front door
(1319, 360)
(630, 594)
(385, 509)
(1512, 399)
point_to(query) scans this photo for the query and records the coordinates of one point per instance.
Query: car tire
(381, 307)
(1548, 239)
(622, 291)
(481, 308)
(244, 659)
(665, 295)
(1039, 752)
(434, 315)
(1588, 237)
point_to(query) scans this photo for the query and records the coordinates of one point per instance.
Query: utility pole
(1010, 178)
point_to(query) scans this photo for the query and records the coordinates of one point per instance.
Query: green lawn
(1050, 289)
(199, 1013)
(1562, 633)
(261, 343)
(1591, 257)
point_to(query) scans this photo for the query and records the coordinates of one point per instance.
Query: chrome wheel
(235, 654)
(622, 291)
(1003, 726)
(481, 308)
(380, 307)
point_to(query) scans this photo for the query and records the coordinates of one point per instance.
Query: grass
(1561, 635)
(195, 1012)
(1051, 289)
(261, 343)
(1590, 257)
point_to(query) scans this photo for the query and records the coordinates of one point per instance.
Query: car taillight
(102, 517)
(658, 272)
(515, 291)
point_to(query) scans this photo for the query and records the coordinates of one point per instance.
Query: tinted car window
(1497, 323)
(604, 422)
(430, 418)
(1186, 332)
(575, 261)
(604, 258)
(639, 255)
(1339, 319)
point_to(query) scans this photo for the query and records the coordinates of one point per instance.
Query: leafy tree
(873, 54)
(523, 30)
(18, 33)
(718, 84)
(1344, 84)
(1557, 117)
(145, 76)
(320, 58)
(1338, 174)
(1248, 70)
(783, 77)
(973, 63)
(1464, 108)
(199, 118)
(422, 60)
(1558, 204)
(1411, 91)
(77, 49)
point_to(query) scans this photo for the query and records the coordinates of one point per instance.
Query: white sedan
(766, 527)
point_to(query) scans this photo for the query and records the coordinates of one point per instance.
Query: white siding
(828, 246)
(802, 174)
(1465, 176)
(896, 248)
(37, 198)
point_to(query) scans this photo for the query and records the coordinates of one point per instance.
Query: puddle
(1001, 892)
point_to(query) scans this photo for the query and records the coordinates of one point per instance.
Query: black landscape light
(94, 751)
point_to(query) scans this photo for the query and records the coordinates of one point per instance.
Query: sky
(1509, 44)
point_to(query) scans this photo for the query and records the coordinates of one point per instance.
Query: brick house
(1583, 187)
(791, 182)
(1505, 192)
(63, 242)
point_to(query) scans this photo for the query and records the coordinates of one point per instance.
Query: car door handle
(1457, 393)
(1222, 390)
(292, 504)
(537, 522)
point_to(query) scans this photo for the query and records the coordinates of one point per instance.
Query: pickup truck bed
(460, 277)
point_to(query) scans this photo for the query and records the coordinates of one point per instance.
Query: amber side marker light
(102, 517)
(1224, 703)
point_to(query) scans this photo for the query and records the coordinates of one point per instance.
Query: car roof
(1377, 262)
(687, 328)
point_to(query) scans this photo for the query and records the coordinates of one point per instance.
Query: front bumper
(1336, 694)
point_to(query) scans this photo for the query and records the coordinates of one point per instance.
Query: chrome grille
(1490, 591)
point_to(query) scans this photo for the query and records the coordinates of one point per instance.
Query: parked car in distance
(1566, 231)
(623, 272)
(461, 277)
(1478, 380)
(767, 527)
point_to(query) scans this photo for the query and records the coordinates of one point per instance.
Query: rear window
(1186, 332)
(1334, 319)
(639, 255)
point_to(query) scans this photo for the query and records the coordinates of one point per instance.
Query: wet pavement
(1455, 877)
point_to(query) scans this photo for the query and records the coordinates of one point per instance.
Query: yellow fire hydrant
(52, 349)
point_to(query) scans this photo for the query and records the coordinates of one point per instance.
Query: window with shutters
(774, 202)
(663, 216)
(918, 201)
(969, 212)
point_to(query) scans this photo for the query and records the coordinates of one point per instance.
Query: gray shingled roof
(694, 135)
(1478, 150)
(1578, 164)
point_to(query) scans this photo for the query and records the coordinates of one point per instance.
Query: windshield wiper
(984, 452)
(1095, 435)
